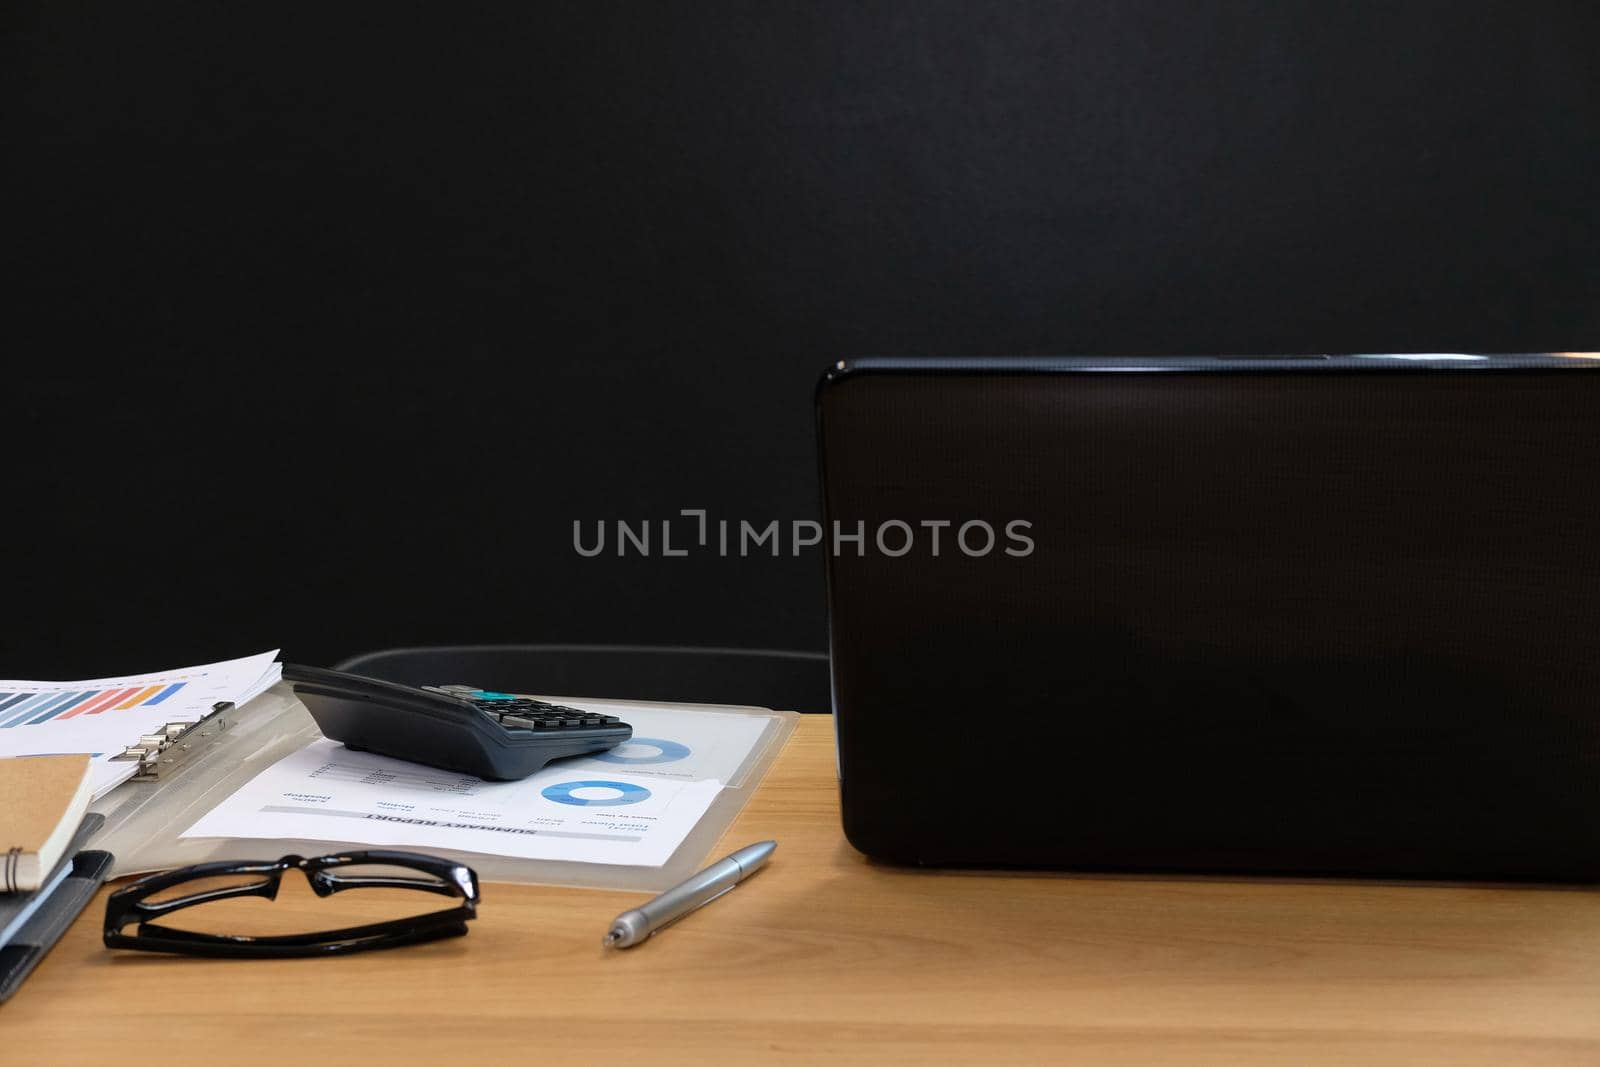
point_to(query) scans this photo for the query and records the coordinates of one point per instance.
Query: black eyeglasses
(159, 895)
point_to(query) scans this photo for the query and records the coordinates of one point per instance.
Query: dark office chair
(792, 681)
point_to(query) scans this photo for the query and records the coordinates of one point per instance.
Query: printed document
(103, 716)
(630, 805)
(674, 743)
(326, 792)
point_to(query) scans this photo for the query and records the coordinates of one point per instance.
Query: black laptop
(1313, 615)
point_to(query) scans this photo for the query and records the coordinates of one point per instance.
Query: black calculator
(499, 736)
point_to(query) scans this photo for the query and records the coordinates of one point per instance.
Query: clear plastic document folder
(663, 800)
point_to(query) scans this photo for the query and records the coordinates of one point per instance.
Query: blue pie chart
(669, 752)
(562, 792)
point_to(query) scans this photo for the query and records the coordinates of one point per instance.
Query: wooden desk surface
(826, 954)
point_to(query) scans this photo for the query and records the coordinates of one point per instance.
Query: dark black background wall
(323, 326)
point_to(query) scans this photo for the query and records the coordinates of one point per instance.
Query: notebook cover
(37, 795)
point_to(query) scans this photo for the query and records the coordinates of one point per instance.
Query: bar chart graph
(103, 716)
(31, 709)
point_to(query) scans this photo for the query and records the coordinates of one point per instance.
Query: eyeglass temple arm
(324, 883)
(419, 924)
(456, 879)
(127, 908)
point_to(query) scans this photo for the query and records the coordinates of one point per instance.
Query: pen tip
(611, 938)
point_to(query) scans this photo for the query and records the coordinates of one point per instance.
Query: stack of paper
(103, 716)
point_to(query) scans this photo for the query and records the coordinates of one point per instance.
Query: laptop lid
(1326, 615)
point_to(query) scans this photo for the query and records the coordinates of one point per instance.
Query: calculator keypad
(523, 713)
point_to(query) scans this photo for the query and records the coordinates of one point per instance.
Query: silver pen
(636, 924)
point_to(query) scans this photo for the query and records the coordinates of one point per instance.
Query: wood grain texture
(826, 954)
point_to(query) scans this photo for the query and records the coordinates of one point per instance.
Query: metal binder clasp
(170, 747)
